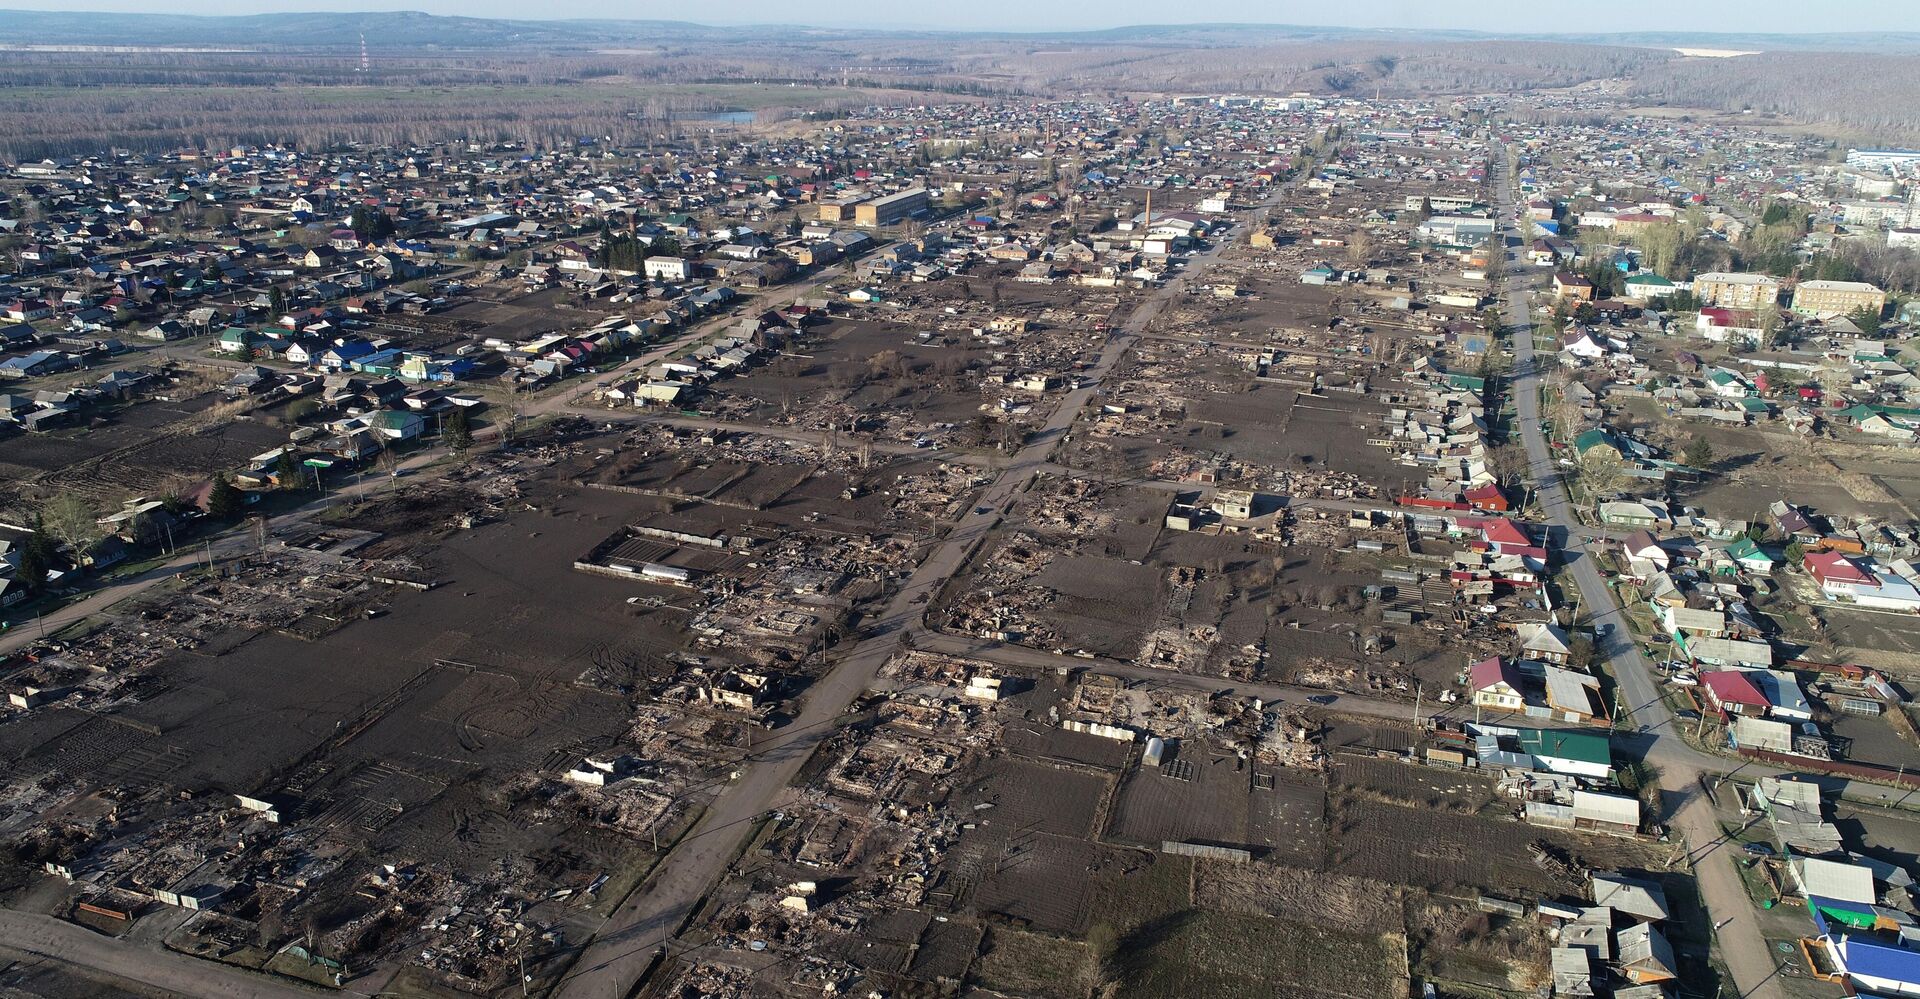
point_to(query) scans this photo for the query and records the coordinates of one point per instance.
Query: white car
(1684, 680)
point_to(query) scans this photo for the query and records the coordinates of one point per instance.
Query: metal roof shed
(1833, 879)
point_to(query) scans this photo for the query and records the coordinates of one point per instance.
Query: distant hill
(412, 29)
(391, 29)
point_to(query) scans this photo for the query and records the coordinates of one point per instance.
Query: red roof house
(1837, 574)
(1734, 692)
(1505, 536)
(1496, 684)
(1487, 497)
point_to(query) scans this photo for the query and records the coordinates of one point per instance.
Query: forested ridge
(298, 77)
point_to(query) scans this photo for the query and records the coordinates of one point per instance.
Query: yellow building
(892, 208)
(1736, 291)
(1837, 298)
(840, 210)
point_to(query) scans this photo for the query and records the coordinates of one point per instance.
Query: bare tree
(1360, 248)
(71, 520)
(1601, 470)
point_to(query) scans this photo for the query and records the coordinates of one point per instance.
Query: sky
(1517, 16)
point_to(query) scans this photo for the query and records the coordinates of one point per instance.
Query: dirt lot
(1206, 953)
(511, 315)
(1759, 465)
(1033, 964)
(1874, 740)
(1027, 858)
(1442, 851)
(1884, 835)
(134, 452)
(1201, 797)
(1398, 783)
(866, 368)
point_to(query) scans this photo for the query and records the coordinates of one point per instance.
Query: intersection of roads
(648, 923)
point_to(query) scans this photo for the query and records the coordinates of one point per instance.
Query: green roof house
(1597, 437)
(394, 424)
(1748, 554)
(1569, 751)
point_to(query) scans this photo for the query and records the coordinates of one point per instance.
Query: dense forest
(298, 77)
(1872, 93)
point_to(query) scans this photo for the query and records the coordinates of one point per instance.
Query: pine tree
(36, 560)
(225, 501)
(455, 431)
(370, 225)
(288, 472)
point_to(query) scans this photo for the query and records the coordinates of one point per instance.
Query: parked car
(1757, 849)
(1685, 680)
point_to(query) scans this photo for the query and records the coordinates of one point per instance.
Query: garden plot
(1442, 851)
(1198, 796)
(1022, 963)
(1355, 905)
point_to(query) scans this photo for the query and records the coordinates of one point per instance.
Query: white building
(666, 268)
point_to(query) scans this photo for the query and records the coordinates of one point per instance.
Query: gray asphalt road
(1690, 814)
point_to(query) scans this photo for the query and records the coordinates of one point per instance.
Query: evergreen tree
(36, 560)
(369, 224)
(1699, 453)
(289, 472)
(225, 501)
(455, 431)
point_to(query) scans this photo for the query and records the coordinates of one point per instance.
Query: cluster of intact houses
(1699, 593)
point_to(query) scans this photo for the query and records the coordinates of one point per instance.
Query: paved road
(1742, 945)
(27, 936)
(649, 919)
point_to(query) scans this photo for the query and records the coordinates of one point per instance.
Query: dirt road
(648, 920)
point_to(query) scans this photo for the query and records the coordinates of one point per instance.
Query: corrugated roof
(1633, 896)
(1836, 880)
(1611, 809)
(1566, 744)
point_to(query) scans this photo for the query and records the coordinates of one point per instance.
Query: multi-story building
(1464, 232)
(840, 209)
(1879, 214)
(1883, 159)
(892, 208)
(1736, 291)
(1444, 204)
(1826, 298)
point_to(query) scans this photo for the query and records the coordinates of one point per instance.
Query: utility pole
(521, 953)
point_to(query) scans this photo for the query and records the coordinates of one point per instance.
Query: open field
(1215, 954)
(1032, 964)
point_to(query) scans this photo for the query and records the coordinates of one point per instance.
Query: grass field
(1200, 953)
(1036, 965)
